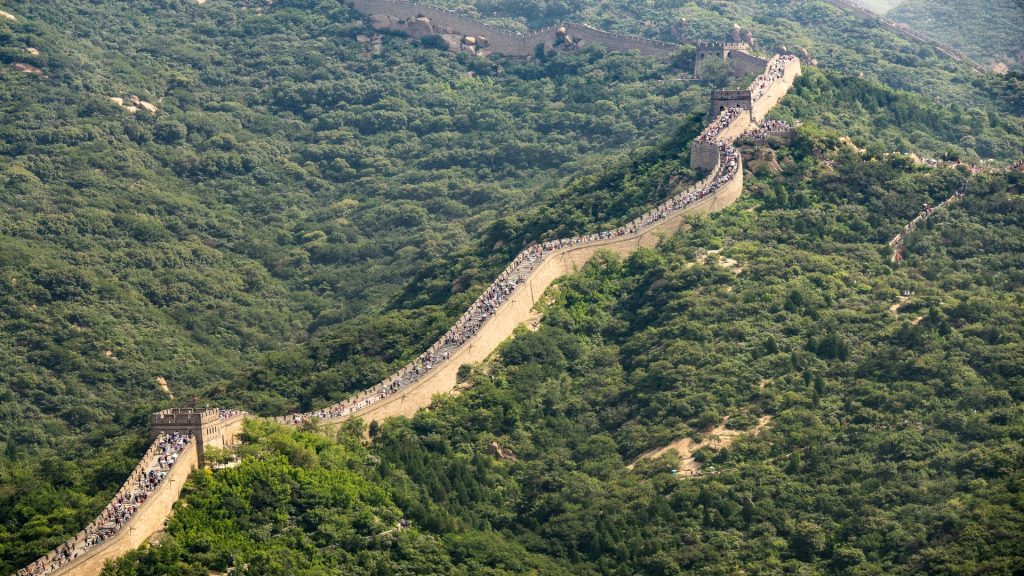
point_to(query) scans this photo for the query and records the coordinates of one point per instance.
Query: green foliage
(894, 436)
(302, 215)
(241, 243)
(989, 32)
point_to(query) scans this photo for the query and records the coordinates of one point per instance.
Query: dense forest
(896, 424)
(305, 211)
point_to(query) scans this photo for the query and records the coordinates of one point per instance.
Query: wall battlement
(736, 52)
(723, 186)
(905, 32)
(402, 15)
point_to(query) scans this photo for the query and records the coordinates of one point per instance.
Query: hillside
(311, 205)
(893, 447)
(991, 32)
(280, 189)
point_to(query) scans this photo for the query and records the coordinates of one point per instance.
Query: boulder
(26, 68)
(500, 452)
(452, 42)
(421, 27)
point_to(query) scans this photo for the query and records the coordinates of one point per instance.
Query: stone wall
(518, 309)
(622, 43)
(719, 50)
(442, 21)
(203, 424)
(703, 155)
(725, 99)
(776, 92)
(744, 63)
(147, 520)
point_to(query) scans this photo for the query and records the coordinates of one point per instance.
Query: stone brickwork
(737, 52)
(203, 424)
(722, 100)
(215, 427)
(518, 309)
(763, 105)
(420, 20)
(147, 520)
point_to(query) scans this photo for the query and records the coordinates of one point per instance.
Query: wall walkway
(507, 42)
(721, 188)
(146, 521)
(905, 32)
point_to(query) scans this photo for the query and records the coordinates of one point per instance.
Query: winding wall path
(717, 191)
(905, 32)
(508, 42)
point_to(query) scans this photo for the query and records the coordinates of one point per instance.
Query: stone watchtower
(724, 99)
(719, 50)
(206, 425)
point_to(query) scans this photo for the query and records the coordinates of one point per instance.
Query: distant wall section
(722, 100)
(420, 20)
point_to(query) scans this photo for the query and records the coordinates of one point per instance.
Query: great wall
(464, 33)
(905, 32)
(415, 385)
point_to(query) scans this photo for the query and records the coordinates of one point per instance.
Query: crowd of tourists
(165, 452)
(719, 124)
(926, 211)
(773, 72)
(225, 413)
(506, 285)
(766, 129)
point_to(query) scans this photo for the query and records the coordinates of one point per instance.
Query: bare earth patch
(723, 262)
(717, 438)
(161, 383)
(900, 301)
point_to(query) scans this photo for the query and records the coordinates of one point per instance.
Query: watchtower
(725, 99)
(720, 50)
(205, 425)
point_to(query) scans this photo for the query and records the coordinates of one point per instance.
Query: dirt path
(717, 438)
(900, 301)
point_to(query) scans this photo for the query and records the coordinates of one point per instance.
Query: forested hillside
(989, 31)
(282, 186)
(308, 206)
(893, 445)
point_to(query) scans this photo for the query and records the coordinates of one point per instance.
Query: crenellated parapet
(143, 504)
(738, 53)
(464, 34)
